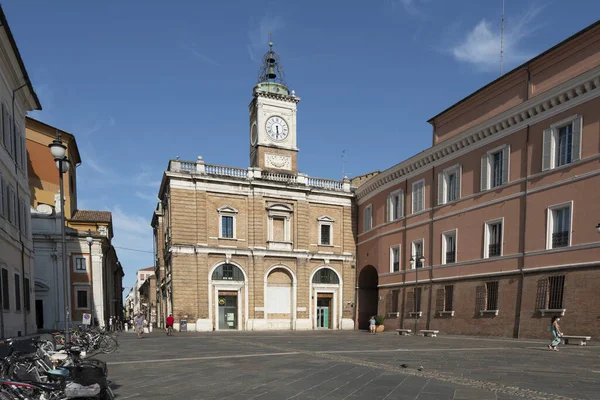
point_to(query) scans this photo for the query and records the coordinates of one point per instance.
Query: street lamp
(58, 151)
(598, 228)
(90, 241)
(421, 261)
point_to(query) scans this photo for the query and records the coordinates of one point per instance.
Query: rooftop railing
(201, 168)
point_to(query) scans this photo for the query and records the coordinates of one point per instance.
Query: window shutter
(441, 197)
(484, 172)
(389, 209)
(410, 302)
(577, 129)
(401, 204)
(547, 150)
(458, 181)
(415, 199)
(505, 164)
(17, 147)
(440, 298)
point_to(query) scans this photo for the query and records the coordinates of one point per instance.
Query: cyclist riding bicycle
(170, 321)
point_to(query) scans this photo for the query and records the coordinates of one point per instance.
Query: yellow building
(94, 269)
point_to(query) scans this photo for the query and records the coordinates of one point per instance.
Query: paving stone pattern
(348, 365)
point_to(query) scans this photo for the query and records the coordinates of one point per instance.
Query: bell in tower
(271, 77)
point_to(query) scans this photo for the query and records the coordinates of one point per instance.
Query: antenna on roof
(343, 163)
(502, 42)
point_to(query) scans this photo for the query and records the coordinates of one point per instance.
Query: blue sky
(141, 81)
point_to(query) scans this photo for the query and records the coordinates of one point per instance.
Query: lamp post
(421, 261)
(598, 228)
(58, 151)
(90, 241)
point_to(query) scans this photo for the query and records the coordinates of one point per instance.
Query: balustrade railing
(225, 171)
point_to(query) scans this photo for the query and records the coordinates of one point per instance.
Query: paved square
(348, 365)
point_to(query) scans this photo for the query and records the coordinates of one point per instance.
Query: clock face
(277, 128)
(253, 135)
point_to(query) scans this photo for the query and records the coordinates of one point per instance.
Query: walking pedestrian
(372, 325)
(139, 325)
(556, 333)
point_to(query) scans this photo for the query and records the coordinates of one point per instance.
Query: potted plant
(379, 324)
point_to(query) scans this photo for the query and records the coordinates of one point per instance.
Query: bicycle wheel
(108, 345)
(6, 395)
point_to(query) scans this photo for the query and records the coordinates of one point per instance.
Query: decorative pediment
(227, 210)
(325, 218)
(280, 207)
(40, 287)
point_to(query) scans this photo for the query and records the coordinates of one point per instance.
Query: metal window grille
(396, 259)
(326, 275)
(560, 239)
(227, 272)
(450, 249)
(564, 154)
(448, 297)
(227, 226)
(555, 296)
(417, 302)
(491, 295)
(394, 307)
(418, 254)
(562, 222)
(450, 257)
(326, 234)
(497, 169)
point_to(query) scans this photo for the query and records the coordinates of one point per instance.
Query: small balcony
(450, 257)
(494, 250)
(560, 239)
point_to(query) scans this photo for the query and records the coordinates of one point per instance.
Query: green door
(227, 312)
(323, 313)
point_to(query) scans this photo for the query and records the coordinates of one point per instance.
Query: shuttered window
(495, 168)
(561, 143)
(418, 196)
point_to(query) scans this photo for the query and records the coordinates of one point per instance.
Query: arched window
(326, 275)
(227, 272)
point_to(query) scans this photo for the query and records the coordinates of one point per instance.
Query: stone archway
(368, 280)
(280, 299)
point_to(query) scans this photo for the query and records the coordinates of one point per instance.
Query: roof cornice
(558, 99)
(274, 96)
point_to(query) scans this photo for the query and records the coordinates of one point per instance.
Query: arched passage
(368, 280)
(280, 298)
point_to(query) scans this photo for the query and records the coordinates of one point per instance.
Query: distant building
(495, 228)
(82, 259)
(17, 97)
(264, 247)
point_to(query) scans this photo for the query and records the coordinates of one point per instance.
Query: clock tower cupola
(273, 119)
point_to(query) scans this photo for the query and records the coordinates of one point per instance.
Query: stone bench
(429, 332)
(403, 332)
(582, 339)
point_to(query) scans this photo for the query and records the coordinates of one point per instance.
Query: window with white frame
(559, 226)
(80, 264)
(449, 247)
(395, 258)
(417, 253)
(82, 298)
(493, 238)
(495, 167)
(395, 205)
(227, 222)
(562, 143)
(449, 184)
(325, 230)
(368, 218)
(418, 196)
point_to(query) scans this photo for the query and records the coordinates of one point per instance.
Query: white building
(17, 97)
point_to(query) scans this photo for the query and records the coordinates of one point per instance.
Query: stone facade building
(494, 229)
(95, 273)
(17, 97)
(264, 247)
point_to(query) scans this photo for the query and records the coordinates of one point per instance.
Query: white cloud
(191, 47)
(481, 46)
(146, 196)
(94, 165)
(412, 7)
(130, 224)
(258, 35)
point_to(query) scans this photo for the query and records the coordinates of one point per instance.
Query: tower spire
(271, 69)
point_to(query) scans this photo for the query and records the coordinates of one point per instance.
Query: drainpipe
(517, 326)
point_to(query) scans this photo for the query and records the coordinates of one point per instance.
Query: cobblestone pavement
(348, 365)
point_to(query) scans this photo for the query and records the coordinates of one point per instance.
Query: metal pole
(92, 282)
(416, 286)
(64, 251)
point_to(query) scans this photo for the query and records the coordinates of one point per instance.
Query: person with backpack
(554, 328)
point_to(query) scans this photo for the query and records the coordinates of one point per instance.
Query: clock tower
(273, 119)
